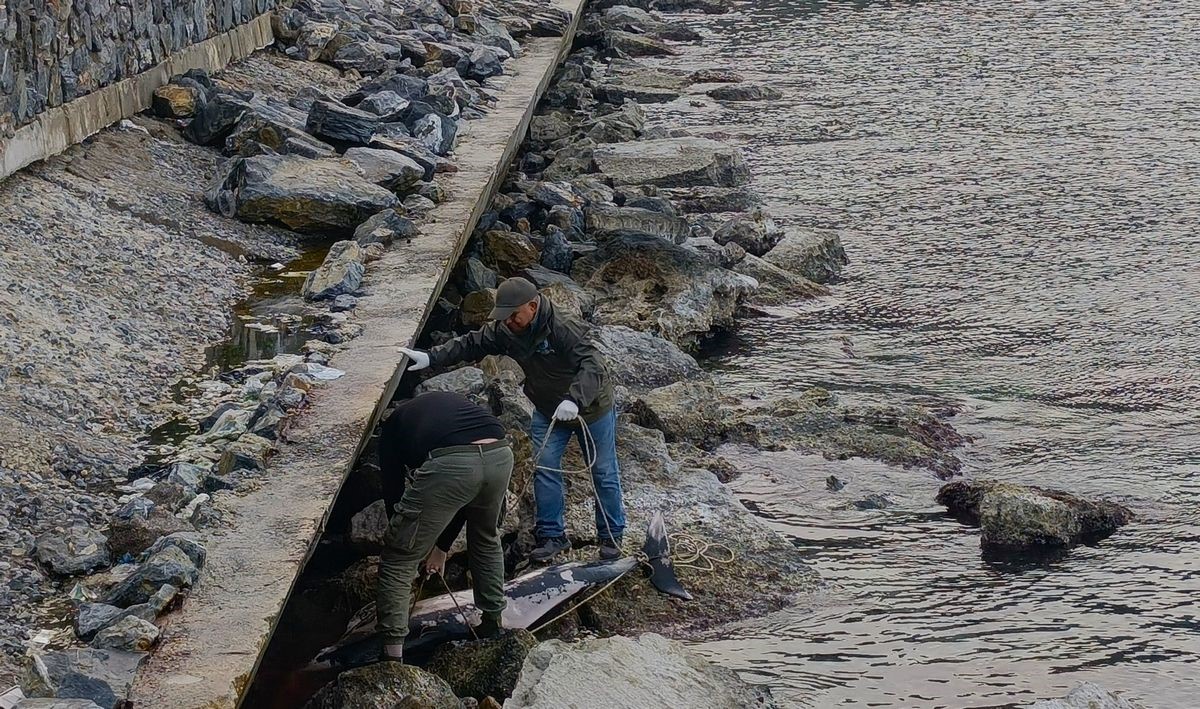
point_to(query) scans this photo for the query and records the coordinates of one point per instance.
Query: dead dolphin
(532, 597)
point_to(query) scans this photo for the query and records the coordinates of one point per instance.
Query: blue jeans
(549, 492)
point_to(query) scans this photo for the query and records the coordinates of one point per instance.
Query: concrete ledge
(63, 126)
(212, 646)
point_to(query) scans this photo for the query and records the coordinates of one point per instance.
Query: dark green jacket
(559, 360)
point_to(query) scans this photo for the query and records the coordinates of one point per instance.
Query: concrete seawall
(58, 128)
(211, 648)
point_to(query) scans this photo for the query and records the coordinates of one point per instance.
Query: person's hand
(566, 411)
(435, 563)
(417, 358)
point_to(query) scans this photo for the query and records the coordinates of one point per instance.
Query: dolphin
(532, 597)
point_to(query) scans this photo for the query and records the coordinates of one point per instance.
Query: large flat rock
(673, 162)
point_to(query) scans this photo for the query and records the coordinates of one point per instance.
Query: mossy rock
(385, 685)
(485, 667)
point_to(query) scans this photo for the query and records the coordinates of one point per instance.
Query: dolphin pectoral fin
(658, 555)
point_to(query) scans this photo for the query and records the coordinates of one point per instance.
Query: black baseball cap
(512, 294)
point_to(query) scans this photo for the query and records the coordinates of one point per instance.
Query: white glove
(566, 411)
(417, 359)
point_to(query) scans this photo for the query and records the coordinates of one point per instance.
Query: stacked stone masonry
(54, 51)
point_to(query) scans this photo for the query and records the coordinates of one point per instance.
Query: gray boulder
(134, 533)
(388, 105)
(216, 119)
(818, 256)
(650, 671)
(385, 685)
(683, 411)
(1087, 695)
(556, 251)
(369, 525)
(483, 668)
(185, 542)
(312, 39)
(1020, 517)
(691, 200)
(745, 92)
(755, 232)
(641, 361)
(101, 676)
(648, 283)
(435, 132)
(77, 551)
(477, 276)
(605, 220)
(482, 63)
(672, 162)
(315, 196)
(508, 251)
(384, 228)
(775, 285)
(56, 704)
(468, 381)
(341, 124)
(169, 566)
(386, 168)
(637, 45)
(129, 633)
(249, 452)
(341, 272)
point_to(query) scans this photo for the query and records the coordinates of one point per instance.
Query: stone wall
(53, 51)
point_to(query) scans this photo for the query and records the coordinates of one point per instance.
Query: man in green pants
(460, 465)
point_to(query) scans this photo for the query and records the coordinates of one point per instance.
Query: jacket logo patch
(544, 348)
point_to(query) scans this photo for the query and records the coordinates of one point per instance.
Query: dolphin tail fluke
(658, 555)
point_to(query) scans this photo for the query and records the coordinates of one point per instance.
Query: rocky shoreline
(653, 235)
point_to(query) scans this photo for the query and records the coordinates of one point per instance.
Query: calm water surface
(1018, 186)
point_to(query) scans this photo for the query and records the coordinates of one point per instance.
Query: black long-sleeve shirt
(432, 420)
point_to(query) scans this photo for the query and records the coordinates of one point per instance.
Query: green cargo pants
(473, 478)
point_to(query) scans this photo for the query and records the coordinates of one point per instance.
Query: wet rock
(230, 424)
(79, 550)
(553, 282)
(650, 671)
(692, 200)
(569, 301)
(1019, 517)
(683, 411)
(216, 119)
(249, 452)
(724, 255)
(341, 272)
(477, 276)
(317, 196)
(833, 484)
(259, 133)
(476, 307)
(56, 704)
(368, 57)
(816, 422)
(482, 63)
(874, 501)
(553, 194)
(388, 105)
(169, 566)
(819, 257)
(641, 361)
(175, 101)
(556, 251)
(286, 24)
(651, 284)
(102, 676)
(435, 132)
(653, 204)
(755, 232)
(384, 228)
(606, 220)
(672, 162)
(385, 685)
(569, 219)
(508, 251)
(710, 7)
(206, 424)
(129, 633)
(136, 533)
(312, 39)
(638, 21)
(343, 303)
(169, 496)
(775, 285)
(185, 542)
(467, 381)
(341, 124)
(1087, 695)
(483, 668)
(386, 168)
(93, 617)
(745, 92)
(369, 525)
(187, 475)
(637, 45)
(715, 76)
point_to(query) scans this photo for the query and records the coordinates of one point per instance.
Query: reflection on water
(1018, 187)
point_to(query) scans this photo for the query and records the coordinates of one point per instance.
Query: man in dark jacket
(566, 379)
(459, 465)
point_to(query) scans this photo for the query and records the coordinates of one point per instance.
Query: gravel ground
(115, 278)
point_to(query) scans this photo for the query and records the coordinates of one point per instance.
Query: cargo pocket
(403, 529)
